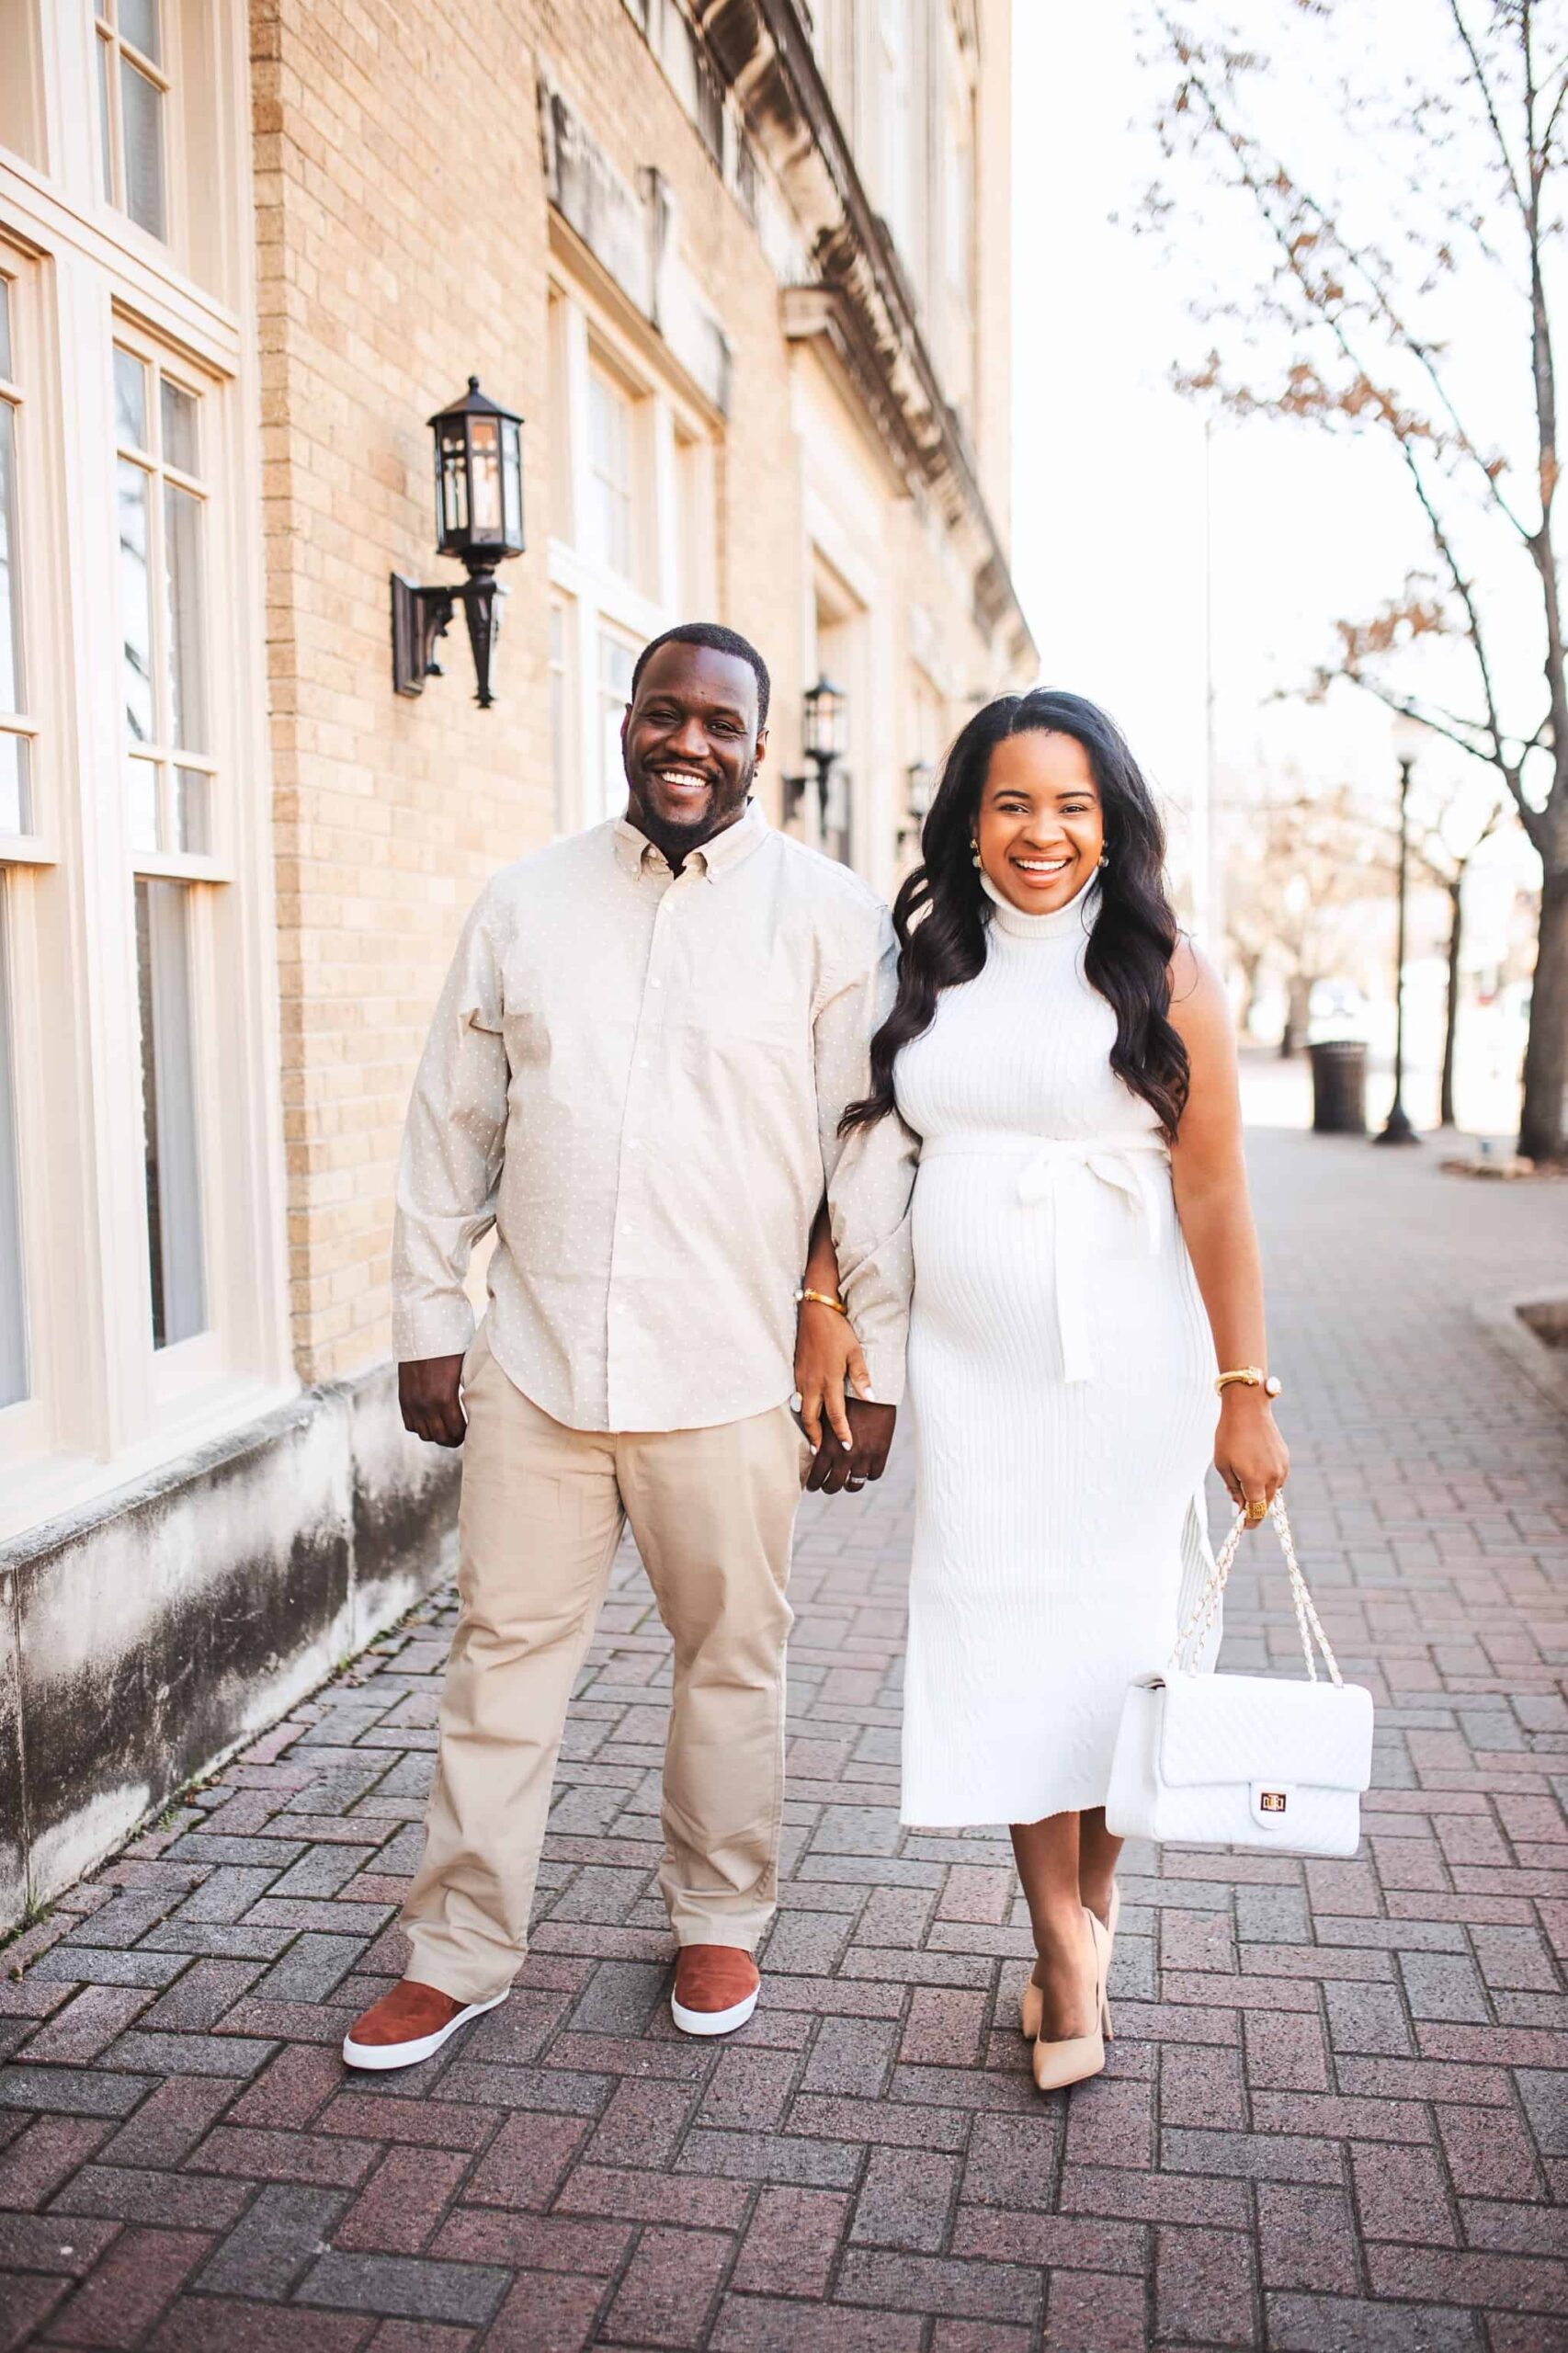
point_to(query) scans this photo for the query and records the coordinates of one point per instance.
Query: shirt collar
(716, 858)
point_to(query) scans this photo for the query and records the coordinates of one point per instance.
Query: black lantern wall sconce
(479, 519)
(825, 739)
(921, 775)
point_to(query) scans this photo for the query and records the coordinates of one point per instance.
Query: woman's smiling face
(1041, 830)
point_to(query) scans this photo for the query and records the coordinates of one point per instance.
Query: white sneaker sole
(381, 2055)
(713, 2022)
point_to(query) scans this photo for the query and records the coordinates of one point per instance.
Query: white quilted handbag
(1243, 1760)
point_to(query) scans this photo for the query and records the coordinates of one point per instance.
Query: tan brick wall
(403, 237)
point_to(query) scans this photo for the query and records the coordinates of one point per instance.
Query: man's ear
(761, 747)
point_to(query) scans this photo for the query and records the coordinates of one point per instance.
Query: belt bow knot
(1053, 1168)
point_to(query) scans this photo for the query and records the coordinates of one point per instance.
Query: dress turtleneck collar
(1076, 919)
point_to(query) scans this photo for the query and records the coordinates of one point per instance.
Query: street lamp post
(1397, 1127)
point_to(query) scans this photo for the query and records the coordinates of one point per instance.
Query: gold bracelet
(1251, 1376)
(823, 1299)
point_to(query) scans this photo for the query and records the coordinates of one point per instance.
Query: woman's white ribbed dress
(1061, 1378)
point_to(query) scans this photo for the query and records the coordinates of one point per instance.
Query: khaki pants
(543, 1507)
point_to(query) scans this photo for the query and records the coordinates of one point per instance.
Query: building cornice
(858, 299)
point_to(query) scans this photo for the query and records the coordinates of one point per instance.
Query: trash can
(1339, 1087)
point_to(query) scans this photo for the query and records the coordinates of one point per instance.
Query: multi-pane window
(174, 1243)
(609, 517)
(16, 794)
(14, 1381)
(133, 88)
(895, 118)
(617, 659)
(562, 623)
(169, 786)
(633, 544)
(161, 515)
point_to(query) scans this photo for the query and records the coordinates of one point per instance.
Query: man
(635, 1074)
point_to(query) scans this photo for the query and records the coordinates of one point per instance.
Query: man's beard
(676, 841)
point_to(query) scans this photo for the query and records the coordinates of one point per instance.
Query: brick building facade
(743, 266)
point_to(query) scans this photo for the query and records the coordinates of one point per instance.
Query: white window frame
(674, 565)
(564, 709)
(109, 134)
(32, 845)
(25, 857)
(107, 1407)
(898, 26)
(177, 1374)
(165, 858)
(25, 1424)
(956, 301)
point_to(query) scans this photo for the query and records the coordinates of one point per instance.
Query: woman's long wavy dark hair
(941, 911)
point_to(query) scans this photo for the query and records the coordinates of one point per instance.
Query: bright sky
(1108, 522)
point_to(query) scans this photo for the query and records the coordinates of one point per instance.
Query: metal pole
(1397, 1127)
(1206, 885)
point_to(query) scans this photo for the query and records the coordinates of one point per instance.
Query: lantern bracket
(796, 787)
(420, 616)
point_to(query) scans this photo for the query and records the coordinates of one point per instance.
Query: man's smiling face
(691, 745)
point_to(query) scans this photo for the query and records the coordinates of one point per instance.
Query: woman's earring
(1105, 859)
(974, 853)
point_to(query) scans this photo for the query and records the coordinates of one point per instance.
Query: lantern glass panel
(451, 482)
(512, 482)
(824, 720)
(485, 476)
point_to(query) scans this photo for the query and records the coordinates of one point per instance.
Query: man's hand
(428, 1393)
(837, 1467)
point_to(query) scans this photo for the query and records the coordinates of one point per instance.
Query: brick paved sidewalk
(1334, 2113)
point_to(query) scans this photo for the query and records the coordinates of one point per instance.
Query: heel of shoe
(1106, 2027)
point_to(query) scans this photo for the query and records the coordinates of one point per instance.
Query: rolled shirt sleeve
(870, 1174)
(453, 1142)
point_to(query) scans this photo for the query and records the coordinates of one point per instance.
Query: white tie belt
(1052, 1168)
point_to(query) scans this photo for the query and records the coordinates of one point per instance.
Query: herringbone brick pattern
(1333, 2117)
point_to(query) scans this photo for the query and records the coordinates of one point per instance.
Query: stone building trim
(632, 232)
(858, 300)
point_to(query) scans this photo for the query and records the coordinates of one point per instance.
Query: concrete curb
(1545, 1368)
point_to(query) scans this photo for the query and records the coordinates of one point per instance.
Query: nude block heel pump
(1074, 2061)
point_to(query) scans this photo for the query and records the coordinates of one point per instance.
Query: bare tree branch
(1484, 86)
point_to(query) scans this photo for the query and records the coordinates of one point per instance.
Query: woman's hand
(827, 1354)
(1249, 1453)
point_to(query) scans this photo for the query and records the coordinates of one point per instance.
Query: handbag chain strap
(1200, 1625)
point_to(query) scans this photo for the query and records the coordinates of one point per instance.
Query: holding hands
(850, 1432)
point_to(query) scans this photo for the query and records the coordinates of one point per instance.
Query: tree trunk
(1451, 1009)
(1293, 1037)
(1546, 1055)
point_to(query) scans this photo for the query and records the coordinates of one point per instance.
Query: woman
(1067, 1058)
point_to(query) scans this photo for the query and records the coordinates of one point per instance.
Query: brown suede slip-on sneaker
(409, 2024)
(715, 1989)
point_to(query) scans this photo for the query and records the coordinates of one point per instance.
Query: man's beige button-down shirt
(637, 1078)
